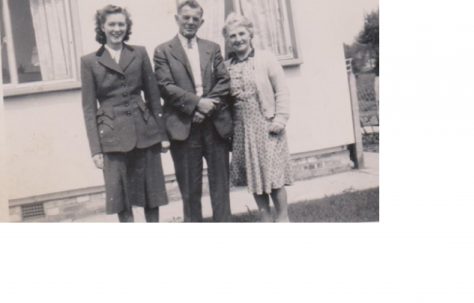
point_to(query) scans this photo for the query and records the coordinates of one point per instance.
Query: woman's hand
(98, 161)
(165, 146)
(276, 128)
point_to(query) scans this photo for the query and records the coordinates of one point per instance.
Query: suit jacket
(175, 80)
(117, 118)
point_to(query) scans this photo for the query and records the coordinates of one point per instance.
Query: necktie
(190, 44)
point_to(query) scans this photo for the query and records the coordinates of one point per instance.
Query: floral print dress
(260, 160)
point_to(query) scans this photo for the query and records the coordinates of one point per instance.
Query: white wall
(47, 144)
(153, 21)
(3, 169)
(47, 150)
(321, 109)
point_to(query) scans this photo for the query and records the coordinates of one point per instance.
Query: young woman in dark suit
(126, 134)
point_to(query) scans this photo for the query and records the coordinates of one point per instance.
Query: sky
(354, 17)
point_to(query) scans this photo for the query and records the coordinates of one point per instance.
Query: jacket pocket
(105, 113)
(103, 120)
(105, 123)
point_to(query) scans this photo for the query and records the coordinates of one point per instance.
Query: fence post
(357, 150)
(376, 89)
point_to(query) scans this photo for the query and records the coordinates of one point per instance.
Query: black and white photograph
(190, 111)
(249, 131)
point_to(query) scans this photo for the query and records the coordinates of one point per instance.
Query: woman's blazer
(116, 116)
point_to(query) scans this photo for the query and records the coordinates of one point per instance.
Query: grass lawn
(370, 142)
(361, 206)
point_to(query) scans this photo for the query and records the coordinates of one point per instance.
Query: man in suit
(194, 84)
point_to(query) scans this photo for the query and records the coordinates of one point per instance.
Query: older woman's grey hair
(236, 20)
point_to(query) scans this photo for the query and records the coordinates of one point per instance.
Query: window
(272, 19)
(274, 29)
(38, 49)
(214, 15)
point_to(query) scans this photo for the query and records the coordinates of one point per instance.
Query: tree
(364, 52)
(359, 54)
(369, 36)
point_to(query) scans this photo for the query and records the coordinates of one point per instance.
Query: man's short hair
(190, 3)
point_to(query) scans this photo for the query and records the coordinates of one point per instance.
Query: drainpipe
(357, 149)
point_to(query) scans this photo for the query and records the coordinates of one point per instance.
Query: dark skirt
(134, 178)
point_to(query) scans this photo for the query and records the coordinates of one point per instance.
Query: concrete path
(242, 201)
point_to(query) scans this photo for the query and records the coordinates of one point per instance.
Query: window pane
(271, 24)
(24, 42)
(5, 67)
(268, 19)
(42, 40)
(214, 11)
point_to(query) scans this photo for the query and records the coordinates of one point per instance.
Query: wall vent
(32, 211)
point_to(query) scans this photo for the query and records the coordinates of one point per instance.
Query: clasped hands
(204, 109)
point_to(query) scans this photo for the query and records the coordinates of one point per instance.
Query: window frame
(290, 31)
(18, 89)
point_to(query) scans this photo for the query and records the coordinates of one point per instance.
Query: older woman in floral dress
(260, 156)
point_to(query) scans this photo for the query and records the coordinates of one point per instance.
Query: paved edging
(242, 201)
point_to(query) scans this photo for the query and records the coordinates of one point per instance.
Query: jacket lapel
(180, 55)
(204, 56)
(106, 60)
(126, 57)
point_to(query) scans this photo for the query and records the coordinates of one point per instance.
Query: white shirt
(192, 52)
(115, 54)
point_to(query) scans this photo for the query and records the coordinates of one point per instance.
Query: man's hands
(198, 117)
(206, 106)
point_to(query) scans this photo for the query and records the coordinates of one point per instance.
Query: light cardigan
(271, 86)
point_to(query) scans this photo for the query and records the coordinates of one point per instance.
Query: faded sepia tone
(47, 154)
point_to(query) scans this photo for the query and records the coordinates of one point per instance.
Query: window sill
(291, 62)
(39, 88)
(46, 87)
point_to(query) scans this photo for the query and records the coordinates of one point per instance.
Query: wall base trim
(88, 201)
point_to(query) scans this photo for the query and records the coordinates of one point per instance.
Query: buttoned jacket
(117, 117)
(175, 80)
